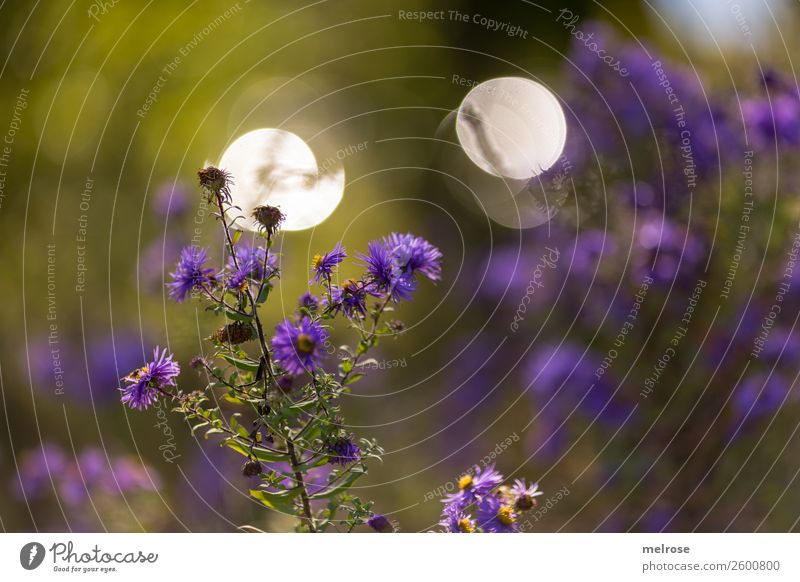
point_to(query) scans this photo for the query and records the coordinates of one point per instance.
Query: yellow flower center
(316, 261)
(465, 482)
(465, 526)
(505, 515)
(305, 343)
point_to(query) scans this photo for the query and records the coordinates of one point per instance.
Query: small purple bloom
(343, 451)
(474, 486)
(386, 275)
(524, 496)
(299, 347)
(322, 265)
(456, 520)
(189, 273)
(349, 298)
(251, 261)
(381, 524)
(495, 516)
(144, 383)
(414, 254)
(308, 301)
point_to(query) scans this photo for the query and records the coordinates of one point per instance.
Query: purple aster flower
(144, 383)
(524, 496)
(299, 347)
(349, 298)
(386, 275)
(455, 520)
(495, 516)
(474, 486)
(343, 451)
(189, 273)
(414, 254)
(381, 524)
(322, 265)
(308, 301)
(250, 259)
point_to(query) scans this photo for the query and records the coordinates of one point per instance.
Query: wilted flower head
(269, 218)
(197, 363)
(251, 468)
(215, 181)
(299, 347)
(322, 265)
(236, 332)
(144, 384)
(524, 496)
(190, 273)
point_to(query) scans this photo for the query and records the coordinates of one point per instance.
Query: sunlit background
(555, 185)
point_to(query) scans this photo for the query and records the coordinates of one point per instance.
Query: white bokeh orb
(276, 168)
(512, 127)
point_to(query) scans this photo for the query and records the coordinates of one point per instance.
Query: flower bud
(215, 181)
(252, 468)
(381, 524)
(269, 218)
(235, 333)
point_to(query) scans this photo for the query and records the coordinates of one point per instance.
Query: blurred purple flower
(171, 200)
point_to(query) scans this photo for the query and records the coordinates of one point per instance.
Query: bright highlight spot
(511, 127)
(276, 168)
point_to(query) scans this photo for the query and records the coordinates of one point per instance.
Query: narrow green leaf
(281, 501)
(257, 452)
(246, 365)
(342, 485)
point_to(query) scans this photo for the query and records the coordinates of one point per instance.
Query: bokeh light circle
(512, 127)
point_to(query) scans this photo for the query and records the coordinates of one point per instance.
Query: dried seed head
(215, 181)
(235, 333)
(396, 326)
(252, 468)
(269, 218)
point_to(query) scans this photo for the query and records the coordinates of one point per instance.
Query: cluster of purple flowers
(77, 479)
(482, 504)
(298, 446)
(391, 266)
